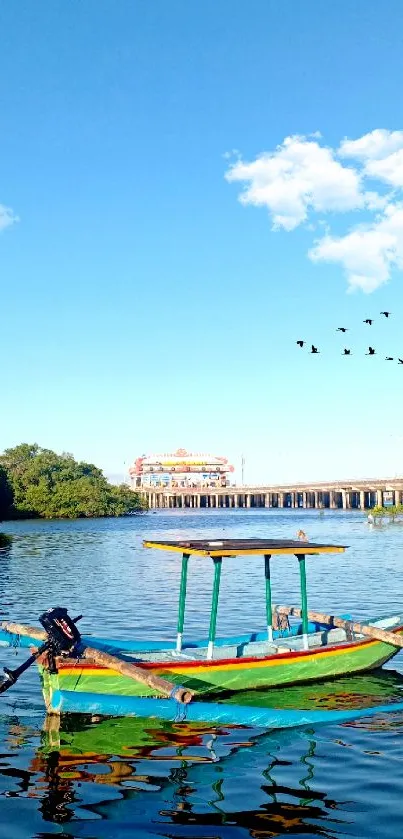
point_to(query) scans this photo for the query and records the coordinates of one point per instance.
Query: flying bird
(342, 329)
(389, 358)
(400, 360)
(371, 351)
(346, 352)
(301, 343)
(386, 314)
(315, 350)
(368, 321)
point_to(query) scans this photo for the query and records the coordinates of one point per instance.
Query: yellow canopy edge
(223, 547)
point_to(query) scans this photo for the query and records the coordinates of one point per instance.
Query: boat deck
(253, 649)
(261, 649)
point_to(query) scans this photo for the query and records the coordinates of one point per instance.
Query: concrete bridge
(345, 495)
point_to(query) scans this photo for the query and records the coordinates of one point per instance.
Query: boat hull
(213, 677)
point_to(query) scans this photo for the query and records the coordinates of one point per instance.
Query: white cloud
(300, 175)
(381, 153)
(376, 145)
(389, 169)
(302, 181)
(367, 253)
(7, 217)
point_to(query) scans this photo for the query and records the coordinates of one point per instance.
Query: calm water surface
(118, 778)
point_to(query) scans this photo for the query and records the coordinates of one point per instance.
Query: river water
(120, 778)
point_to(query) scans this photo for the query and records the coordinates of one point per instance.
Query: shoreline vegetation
(391, 515)
(38, 483)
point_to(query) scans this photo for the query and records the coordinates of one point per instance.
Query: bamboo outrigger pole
(106, 660)
(368, 630)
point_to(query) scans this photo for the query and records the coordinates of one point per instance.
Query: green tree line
(393, 513)
(38, 483)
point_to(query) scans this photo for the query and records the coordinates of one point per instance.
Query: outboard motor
(63, 639)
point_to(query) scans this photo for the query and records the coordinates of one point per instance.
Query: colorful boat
(302, 652)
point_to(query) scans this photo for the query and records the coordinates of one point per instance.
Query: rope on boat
(181, 708)
(15, 639)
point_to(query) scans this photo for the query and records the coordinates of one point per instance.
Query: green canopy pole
(214, 605)
(269, 611)
(182, 601)
(304, 600)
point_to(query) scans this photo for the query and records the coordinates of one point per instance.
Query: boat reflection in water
(145, 772)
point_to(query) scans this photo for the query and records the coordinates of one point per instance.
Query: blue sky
(143, 305)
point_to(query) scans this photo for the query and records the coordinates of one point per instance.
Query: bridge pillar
(363, 497)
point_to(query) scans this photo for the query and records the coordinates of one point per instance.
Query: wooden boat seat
(385, 623)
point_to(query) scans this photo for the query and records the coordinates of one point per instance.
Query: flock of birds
(346, 351)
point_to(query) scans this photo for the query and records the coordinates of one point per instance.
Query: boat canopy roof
(242, 547)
